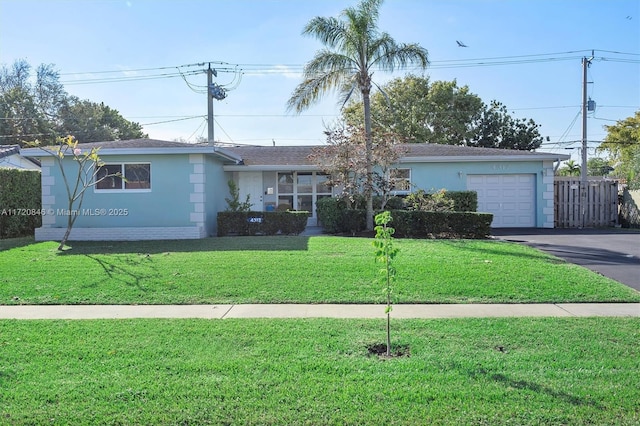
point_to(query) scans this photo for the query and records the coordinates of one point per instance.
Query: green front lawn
(522, 371)
(280, 269)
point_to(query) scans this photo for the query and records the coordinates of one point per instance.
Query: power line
(172, 121)
(254, 69)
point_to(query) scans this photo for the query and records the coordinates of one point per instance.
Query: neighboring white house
(10, 158)
(175, 190)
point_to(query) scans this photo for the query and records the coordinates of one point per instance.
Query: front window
(136, 177)
(301, 190)
(400, 180)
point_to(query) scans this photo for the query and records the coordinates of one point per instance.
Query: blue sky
(144, 44)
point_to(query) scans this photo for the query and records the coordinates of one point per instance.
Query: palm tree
(571, 168)
(354, 49)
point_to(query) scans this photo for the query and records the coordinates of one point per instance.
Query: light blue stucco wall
(167, 204)
(453, 176)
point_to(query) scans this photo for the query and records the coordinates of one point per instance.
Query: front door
(250, 183)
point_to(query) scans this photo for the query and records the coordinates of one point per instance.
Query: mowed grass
(525, 371)
(322, 269)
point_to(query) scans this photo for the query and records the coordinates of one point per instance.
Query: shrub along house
(174, 190)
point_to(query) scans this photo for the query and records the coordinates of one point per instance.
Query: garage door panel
(509, 193)
(508, 180)
(510, 198)
(525, 207)
(524, 222)
(508, 222)
(475, 179)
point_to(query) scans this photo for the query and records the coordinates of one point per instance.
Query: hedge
(262, 223)
(463, 201)
(421, 224)
(20, 202)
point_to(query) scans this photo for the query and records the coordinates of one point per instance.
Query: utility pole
(214, 91)
(583, 170)
(210, 105)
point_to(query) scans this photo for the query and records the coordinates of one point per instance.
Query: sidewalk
(319, 311)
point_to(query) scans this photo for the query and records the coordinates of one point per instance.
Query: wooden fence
(600, 208)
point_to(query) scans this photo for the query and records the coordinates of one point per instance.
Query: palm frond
(329, 31)
(386, 54)
(313, 88)
(348, 90)
(326, 61)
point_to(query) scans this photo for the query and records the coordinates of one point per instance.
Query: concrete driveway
(614, 253)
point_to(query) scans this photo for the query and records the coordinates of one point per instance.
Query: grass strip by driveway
(281, 269)
(167, 372)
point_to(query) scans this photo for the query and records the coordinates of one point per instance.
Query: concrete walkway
(319, 311)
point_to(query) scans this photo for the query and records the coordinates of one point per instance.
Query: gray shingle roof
(8, 150)
(298, 155)
(273, 155)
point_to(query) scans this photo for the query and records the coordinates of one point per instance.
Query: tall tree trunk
(368, 141)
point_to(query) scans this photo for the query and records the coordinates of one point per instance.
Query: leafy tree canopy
(95, 122)
(40, 108)
(597, 166)
(623, 144)
(421, 111)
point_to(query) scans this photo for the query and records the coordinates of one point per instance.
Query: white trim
(548, 195)
(197, 197)
(285, 168)
(532, 156)
(526, 156)
(106, 151)
(122, 234)
(196, 159)
(196, 177)
(47, 183)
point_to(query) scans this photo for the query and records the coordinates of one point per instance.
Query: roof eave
(271, 168)
(483, 158)
(106, 152)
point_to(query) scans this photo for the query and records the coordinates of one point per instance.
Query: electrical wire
(223, 131)
(201, 125)
(172, 121)
(280, 69)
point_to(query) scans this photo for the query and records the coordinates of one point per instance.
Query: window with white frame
(400, 180)
(301, 190)
(124, 177)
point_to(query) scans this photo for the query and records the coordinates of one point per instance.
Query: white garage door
(511, 199)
